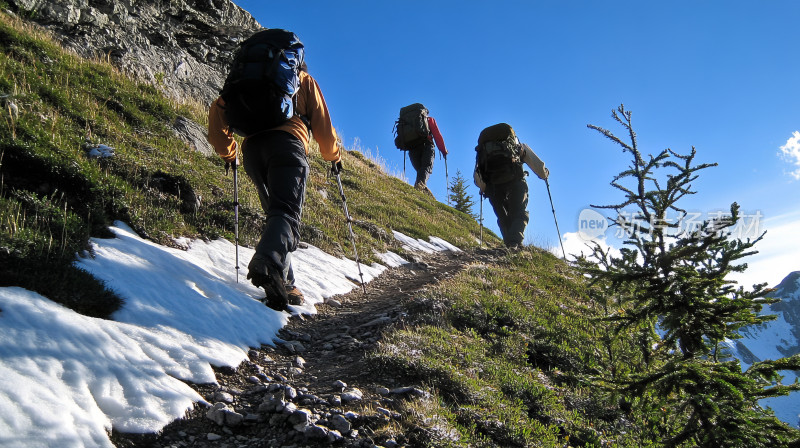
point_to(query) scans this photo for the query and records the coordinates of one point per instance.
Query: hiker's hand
(228, 165)
(336, 168)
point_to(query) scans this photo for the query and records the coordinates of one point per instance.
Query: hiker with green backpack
(271, 100)
(416, 132)
(500, 176)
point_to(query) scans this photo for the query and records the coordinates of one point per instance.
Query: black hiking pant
(422, 157)
(510, 203)
(276, 163)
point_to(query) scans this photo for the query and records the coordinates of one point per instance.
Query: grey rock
(314, 432)
(193, 135)
(289, 408)
(334, 436)
(300, 417)
(294, 346)
(223, 415)
(216, 413)
(353, 394)
(181, 47)
(289, 393)
(222, 396)
(340, 423)
(412, 391)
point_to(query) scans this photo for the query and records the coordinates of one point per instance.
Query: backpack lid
(498, 132)
(415, 108)
(275, 37)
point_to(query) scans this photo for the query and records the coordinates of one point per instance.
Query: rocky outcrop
(183, 47)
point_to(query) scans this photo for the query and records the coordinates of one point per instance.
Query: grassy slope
(508, 350)
(53, 197)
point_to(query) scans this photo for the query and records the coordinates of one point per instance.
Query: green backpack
(499, 154)
(411, 127)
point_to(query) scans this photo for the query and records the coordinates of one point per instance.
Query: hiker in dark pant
(275, 160)
(500, 176)
(417, 132)
(510, 203)
(422, 157)
(276, 163)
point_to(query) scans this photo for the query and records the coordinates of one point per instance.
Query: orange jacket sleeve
(437, 136)
(220, 134)
(311, 104)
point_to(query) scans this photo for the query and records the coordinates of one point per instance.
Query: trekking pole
(546, 182)
(236, 215)
(446, 180)
(481, 195)
(350, 226)
(404, 164)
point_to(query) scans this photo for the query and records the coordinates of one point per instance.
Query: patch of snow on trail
(67, 379)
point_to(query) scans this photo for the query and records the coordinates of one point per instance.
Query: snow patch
(67, 378)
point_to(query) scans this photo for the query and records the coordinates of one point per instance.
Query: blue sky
(721, 76)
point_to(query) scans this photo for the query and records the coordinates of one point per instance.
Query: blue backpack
(263, 80)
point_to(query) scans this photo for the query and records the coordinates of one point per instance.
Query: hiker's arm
(437, 136)
(321, 126)
(534, 162)
(220, 134)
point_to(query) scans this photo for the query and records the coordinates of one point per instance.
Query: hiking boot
(424, 188)
(271, 281)
(276, 303)
(295, 295)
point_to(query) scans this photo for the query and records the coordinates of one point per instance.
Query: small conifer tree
(668, 291)
(458, 195)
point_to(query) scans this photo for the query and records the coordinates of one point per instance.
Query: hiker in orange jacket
(275, 160)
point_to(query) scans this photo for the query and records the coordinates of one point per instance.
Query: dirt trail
(313, 354)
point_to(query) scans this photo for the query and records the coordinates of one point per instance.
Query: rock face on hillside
(184, 47)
